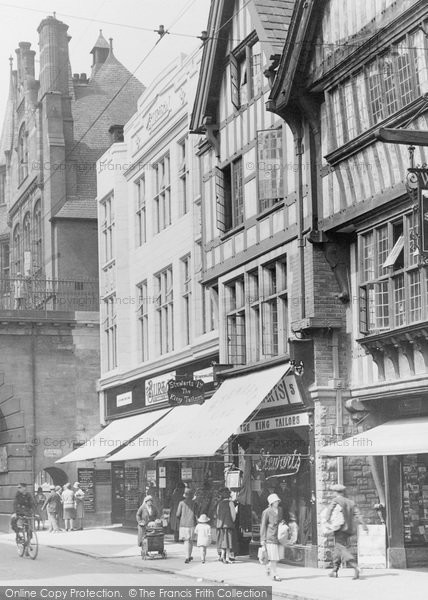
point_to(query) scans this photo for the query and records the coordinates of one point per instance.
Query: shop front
(402, 446)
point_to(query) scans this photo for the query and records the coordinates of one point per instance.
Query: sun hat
(76, 484)
(203, 519)
(273, 498)
(148, 498)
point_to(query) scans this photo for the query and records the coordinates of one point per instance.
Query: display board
(372, 547)
(86, 479)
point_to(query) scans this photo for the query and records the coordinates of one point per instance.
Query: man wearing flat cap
(350, 512)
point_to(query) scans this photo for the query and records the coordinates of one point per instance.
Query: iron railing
(27, 293)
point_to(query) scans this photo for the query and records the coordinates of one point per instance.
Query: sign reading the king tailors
(283, 422)
(188, 391)
(285, 393)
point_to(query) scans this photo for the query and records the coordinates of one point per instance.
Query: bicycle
(26, 538)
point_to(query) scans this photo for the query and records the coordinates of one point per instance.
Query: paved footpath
(119, 545)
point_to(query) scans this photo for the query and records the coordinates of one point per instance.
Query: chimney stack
(54, 59)
(116, 133)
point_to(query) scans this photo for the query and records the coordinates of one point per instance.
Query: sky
(125, 21)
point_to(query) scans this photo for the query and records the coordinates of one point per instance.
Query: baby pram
(153, 541)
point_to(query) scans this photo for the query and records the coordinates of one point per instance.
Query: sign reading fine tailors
(187, 391)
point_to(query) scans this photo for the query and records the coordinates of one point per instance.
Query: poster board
(372, 547)
(86, 479)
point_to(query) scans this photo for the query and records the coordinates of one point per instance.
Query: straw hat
(203, 519)
(148, 498)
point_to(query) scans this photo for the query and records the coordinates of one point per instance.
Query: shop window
(162, 199)
(110, 332)
(143, 317)
(270, 169)
(392, 284)
(164, 311)
(415, 499)
(141, 212)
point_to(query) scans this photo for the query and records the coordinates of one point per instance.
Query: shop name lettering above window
(258, 425)
(286, 392)
(157, 388)
(282, 465)
(158, 114)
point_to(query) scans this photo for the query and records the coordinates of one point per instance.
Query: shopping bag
(283, 533)
(262, 555)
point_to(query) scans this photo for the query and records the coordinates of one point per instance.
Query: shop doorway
(50, 476)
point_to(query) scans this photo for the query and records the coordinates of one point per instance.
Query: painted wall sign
(156, 389)
(283, 422)
(188, 391)
(124, 399)
(52, 452)
(286, 392)
(158, 114)
(282, 465)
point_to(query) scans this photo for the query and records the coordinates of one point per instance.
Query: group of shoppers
(63, 504)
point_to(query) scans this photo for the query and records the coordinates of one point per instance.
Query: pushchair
(153, 541)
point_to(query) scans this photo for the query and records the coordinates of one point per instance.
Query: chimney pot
(116, 133)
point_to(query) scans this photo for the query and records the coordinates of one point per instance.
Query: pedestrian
(176, 498)
(226, 515)
(79, 495)
(145, 514)
(350, 512)
(40, 513)
(52, 506)
(186, 513)
(69, 512)
(203, 536)
(271, 518)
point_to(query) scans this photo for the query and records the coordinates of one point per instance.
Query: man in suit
(341, 552)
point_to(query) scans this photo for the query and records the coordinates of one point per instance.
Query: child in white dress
(203, 532)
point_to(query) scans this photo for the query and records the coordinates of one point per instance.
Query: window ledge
(270, 210)
(230, 232)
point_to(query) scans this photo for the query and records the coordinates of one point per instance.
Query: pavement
(118, 545)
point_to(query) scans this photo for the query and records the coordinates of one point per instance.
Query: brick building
(348, 69)
(55, 128)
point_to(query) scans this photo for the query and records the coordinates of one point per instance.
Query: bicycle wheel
(32, 545)
(20, 544)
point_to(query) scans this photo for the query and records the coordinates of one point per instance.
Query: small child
(203, 532)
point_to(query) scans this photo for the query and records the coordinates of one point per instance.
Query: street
(58, 567)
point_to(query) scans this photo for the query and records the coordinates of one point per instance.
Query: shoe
(225, 561)
(190, 558)
(276, 578)
(232, 560)
(357, 573)
(203, 562)
(333, 573)
(220, 559)
(187, 561)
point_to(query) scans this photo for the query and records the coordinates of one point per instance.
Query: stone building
(349, 70)
(55, 128)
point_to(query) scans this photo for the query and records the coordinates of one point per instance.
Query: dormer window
(246, 72)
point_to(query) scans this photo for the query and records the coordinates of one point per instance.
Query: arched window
(37, 232)
(17, 250)
(26, 232)
(22, 154)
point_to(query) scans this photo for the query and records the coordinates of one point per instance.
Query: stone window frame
(164, 302)
(143, 317)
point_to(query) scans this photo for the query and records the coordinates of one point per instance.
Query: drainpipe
(300, 220)
(339, 404)
(33, 401)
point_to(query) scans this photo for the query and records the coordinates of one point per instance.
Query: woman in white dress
(271, 518)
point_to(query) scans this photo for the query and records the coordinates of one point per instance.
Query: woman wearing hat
(67, 497)
(203, 533)
(145, 514)
(186, 512)
(271, 518)
(79, 494)
(226, 515)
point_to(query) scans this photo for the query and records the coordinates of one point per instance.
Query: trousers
(53, 522)
(341, 552)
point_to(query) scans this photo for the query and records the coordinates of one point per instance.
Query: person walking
(69, 512)
(52, 506)
(79, 495)
(341, 552)
(176, 498)
(226, 515)
(203, 536)
(145, 514)
(40, 513)
(271, 518)
(186, 513)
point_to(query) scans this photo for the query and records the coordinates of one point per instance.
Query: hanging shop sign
(287, 392)
(283, 422)
(156, 389)
(188, 391)
(278, 465)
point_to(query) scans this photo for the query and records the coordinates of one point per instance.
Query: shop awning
(221, 415)
(401, 436)
(114, 436)
(157, 437)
